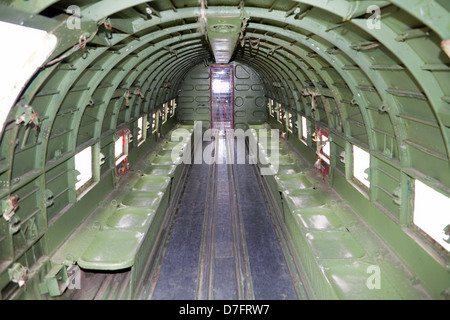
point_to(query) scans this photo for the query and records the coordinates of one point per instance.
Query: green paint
(382, 89)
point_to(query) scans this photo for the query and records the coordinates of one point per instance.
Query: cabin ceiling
(384, 87)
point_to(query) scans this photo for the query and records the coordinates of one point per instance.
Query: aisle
(222, 244)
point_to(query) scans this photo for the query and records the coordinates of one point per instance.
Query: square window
(324, 145)
(431, 212)
(304, 129)
(169, 109)
(279, 113)
(221, 86)
(83, 164)
(326, 149)
(20, 59)
(290, 122)
(140, 125)
(153, 122)
(121, 146)
(361, 162)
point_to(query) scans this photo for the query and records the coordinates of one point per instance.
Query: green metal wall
(384, 89)
(250, 105)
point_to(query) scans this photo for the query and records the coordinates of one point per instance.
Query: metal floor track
(222, 244)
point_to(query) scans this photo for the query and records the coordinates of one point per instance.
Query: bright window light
(119, 147)
(174, 107)
(304, 129)
(83, 164)
(153, 122)
(279, 112)
(431, 212)
(326, 149)
(290, 121)
(171, 108)
(140, 124)
(361, 162)
(23, 51)
(221, 86)
(323, 144)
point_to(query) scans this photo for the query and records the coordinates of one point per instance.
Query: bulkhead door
(222, 97)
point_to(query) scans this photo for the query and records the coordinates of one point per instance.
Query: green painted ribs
(372, 74)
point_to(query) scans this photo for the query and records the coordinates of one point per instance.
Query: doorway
(222, 97)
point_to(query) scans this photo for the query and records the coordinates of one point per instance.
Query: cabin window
(323, 145)
(322, 150)
(304, 130)
(141, 134)
(121, 152)
(326, 149)
(24, 50)
(118, 147)
(83, 164)
(274, 106)
(279, 113)
(140, 126)
(431, 213)
(173, 107)
(361, 165)
(153, 122)
(290, 123)
(121, 147)
(169, 109)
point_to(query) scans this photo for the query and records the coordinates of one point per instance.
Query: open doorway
(222, 98)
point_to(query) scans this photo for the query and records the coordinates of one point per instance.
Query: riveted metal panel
(249, 97)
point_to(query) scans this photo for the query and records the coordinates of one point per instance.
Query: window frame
(290, 121)
(427, 204)
(124, 136)
(304, 130)
(363, 181)
(173, 105)
(271, 108)
(278, 112)
(164, 112)
(142, 136)
(320, 134)
(154, 123)
(80, 165)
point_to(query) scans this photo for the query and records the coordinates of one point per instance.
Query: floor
(222, 243)
(227, 239)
